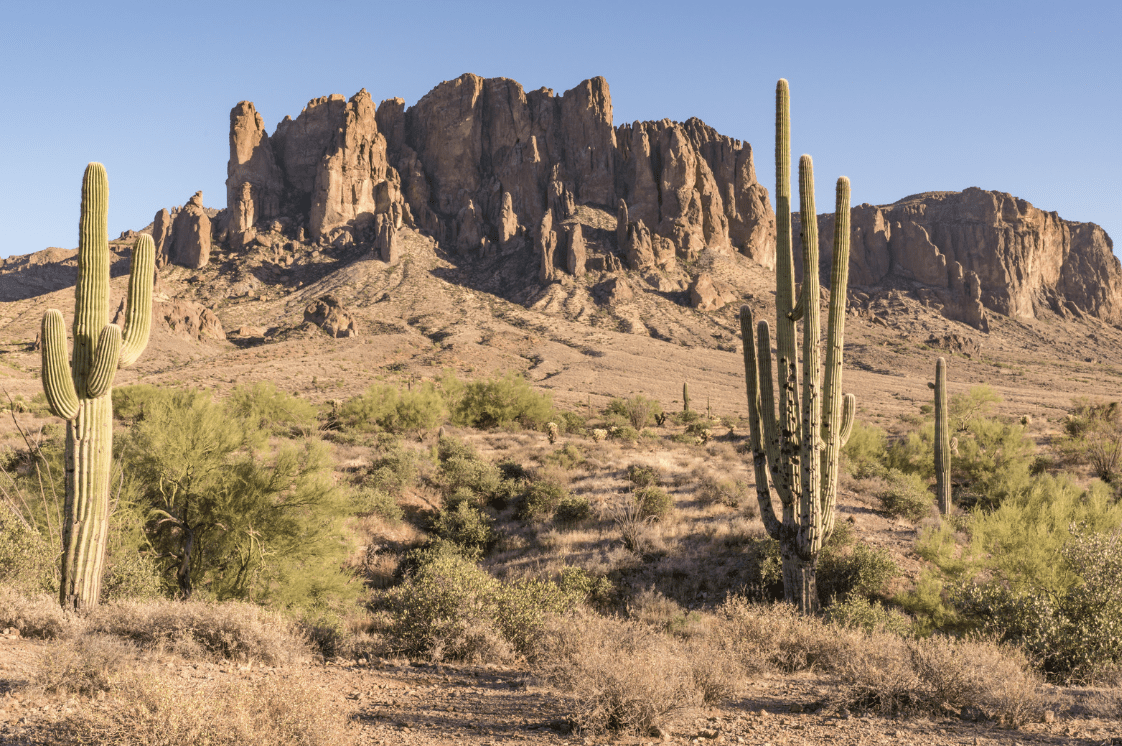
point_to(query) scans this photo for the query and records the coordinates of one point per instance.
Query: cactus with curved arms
(799, 449)
(81, 391)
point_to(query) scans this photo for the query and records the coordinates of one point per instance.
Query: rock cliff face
(976, 251)
(479, 162)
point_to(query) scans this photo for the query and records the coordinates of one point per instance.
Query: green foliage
(626, 432)
(503, 402)
(264, 407)
(389, 408)
(853, 570)
(129, 402)
(232, 517)
(572, 509)
(593, 589)
(653, 502)
(724, 491)
(467, 527)
(870, 616)
(542, 498)
(974, 404)
(27, 560)
(864, 452)
(1075, 633)
(642, 476)
(567, 457)
(449, 608)
(376, 501)
(1093, 436)
(570, 422)
(393, 471)
(639, 410)
(905, 495)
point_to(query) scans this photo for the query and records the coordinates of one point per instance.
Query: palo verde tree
(800, 448)
(81, 391)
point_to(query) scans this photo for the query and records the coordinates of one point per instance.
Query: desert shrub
(1076, 633)
(86, 665)
(853, 570)
(653, 502)
(567, 457)
(387, 407)
(481, 477)
(130, 402)
(467, 527)
(596, 590)
(625, 432)
(450, 608)
(144, 706)
(1093, 436)
(643, 476)
(497, 403)
(376, 501)
(728, 492)
(449, 447)
(570, 422)
(195, 629)
(639, 410)
(572, 509)
(863, 454)
(927, 676)
(511, 469)
(868, 616)
(776, 637)
(272, 411)
(687, 417)
(27, 561)
(132, 575)
(905, 495)
(542, 498)
(623, 676)
(34, 614)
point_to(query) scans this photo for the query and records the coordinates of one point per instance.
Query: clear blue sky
(906, 97)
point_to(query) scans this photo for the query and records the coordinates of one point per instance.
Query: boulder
(707, 294)
(576, 254)
(329, 314)
(615, 290)
(161, 236)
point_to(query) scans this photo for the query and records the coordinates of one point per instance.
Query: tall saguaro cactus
(942, 439)
(799, 448)
(81, 392)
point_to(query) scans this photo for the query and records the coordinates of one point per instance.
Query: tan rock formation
(576, 253)
(387, 244)
(545, 241)
(638, 246)
(979, 250)
(161, 235)
(190, 235)
(329, 314)
(253, 182)
(707, 294)
(508, 222)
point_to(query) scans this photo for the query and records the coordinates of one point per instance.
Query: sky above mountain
(1024, 98)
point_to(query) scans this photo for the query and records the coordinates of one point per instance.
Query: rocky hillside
(491, 172)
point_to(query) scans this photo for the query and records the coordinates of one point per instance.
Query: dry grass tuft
(197, 629)
(34, 616)
(147, 708)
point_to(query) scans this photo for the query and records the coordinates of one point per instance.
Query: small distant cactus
(80, 390)
(599, 434)
(552, 432)
(685, 397)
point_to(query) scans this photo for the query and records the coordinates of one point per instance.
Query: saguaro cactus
(942, 440)
(799, 450)
(81, 392)
(685, 396)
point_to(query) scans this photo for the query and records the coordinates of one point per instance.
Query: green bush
(376, 501)
(570, 422)
(389, 408)
(626, 432)
(129, 402)
(132, 576)
(27, 560)
(870, 616)
(449, 446)
(593, 589)
(724, 491)
(653, 502)
(467, 527)
(864, 452)
(643, 476)
(639, 410)
(905, 496)
(481, 477)
(1093, 436)
(449, 608)
(572, 509)
(567, 457)
(393, 471)
(848, 570)
(270, 410)
(542, 498)
(497, 403)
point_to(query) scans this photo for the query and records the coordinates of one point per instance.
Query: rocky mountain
(491, 171)
(976, 251)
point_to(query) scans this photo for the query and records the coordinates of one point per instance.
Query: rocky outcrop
(183, 318)
(190, 235)
(707, 294)
(477, 162)
(576, 253)
(161, 233)
(545, 241)
(329, 314)
(980, 251)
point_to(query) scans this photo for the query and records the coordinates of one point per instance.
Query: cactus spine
(942, 440)
(685, 397)
(799, 450)
(81, 392)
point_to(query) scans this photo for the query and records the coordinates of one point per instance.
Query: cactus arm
(106, 355)
(756, 442)
(942, 440)
(58, 386)
(91, 296)
(810, 505)
(847, 420)
(138, 316)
